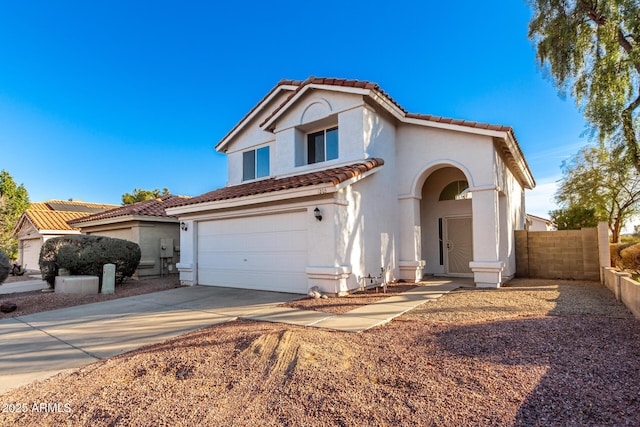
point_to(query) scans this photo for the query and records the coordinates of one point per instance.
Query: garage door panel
(264, 252)
(275, 241)
(280, 261)
(254, 225)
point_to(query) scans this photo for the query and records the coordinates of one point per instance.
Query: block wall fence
(575, 254)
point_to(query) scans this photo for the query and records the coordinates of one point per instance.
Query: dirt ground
(535, 353)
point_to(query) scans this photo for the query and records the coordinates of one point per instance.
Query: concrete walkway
(23, 286)
(40, 345)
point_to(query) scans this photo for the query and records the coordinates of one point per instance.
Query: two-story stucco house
(331, 180)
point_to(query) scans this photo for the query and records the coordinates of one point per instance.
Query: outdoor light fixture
(183, 226)
(317, 214)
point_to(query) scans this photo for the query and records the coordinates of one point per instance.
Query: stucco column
(326, 270)
(486, 265)
(188, 266)
(411, 262)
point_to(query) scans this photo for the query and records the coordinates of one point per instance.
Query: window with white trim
(255, 164)
(322, 145)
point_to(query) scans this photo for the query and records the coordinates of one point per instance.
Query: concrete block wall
(624, 288)
(567, 254)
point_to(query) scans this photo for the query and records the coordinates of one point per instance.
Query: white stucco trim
(428, 169)
(275, 196)
(220, 145)
(269, 124)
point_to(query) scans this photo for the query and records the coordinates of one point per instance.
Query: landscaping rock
(8, 307)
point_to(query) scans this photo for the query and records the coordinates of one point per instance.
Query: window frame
(255, 153)
(309, 144)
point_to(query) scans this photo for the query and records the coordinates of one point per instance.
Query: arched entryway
(446, 222)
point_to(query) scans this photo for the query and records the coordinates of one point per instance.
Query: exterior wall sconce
(317, 214)
(183, 226)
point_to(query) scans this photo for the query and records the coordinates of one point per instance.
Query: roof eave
(268, 125)
(124, 218)
(272, 196)
(245, 120)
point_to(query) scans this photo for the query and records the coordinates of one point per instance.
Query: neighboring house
(331, 180)
(536, 223)
(145, 223)
(44, 220)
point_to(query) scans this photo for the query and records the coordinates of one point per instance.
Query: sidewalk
(23, 286)
(40, 345)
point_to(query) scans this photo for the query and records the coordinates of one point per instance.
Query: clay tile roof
(362, 84)
(328, 176)
(153, 207)
(52, 220)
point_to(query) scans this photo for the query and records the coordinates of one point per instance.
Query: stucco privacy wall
(567, 254)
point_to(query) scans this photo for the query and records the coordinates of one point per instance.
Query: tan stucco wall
(567, 254)
(147, 234)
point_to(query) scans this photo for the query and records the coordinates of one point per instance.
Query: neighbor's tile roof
(52, 220)
(53, 204)
(153, 207)
(328, 176)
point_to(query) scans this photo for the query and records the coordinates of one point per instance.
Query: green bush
(630, 258)
(86, 255)
(4, 267)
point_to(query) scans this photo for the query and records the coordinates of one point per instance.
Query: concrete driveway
(40, 345)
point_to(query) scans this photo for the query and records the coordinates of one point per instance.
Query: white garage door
(31, 253)
(263, 252)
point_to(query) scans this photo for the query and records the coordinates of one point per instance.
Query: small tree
(574, 218)
(14, 200)
(140, 195)
(602, 180)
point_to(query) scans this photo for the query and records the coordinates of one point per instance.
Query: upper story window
(457, 190)
(322, 145)
(255, 164)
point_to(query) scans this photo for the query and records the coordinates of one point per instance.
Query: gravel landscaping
(534, 353)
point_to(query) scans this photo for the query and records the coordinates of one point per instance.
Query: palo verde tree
(14, 200)
(592, 47)
(601, 180)
(140, 195)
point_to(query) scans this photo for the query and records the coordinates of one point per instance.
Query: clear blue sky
(97, 98)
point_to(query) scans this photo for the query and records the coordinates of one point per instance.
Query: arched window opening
(457, 190)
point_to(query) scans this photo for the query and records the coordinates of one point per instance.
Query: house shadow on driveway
(587, 345)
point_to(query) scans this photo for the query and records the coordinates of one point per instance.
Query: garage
(266, 252)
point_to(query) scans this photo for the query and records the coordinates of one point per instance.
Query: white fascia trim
(125, 218)
(304, 90)
(454, 127)
(274, 196)
(43, 232)
(521, 163)
(220, 145)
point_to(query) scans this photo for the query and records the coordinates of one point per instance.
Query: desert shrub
(614, 252)
(4, 267)
(86, 255)
(630, 258)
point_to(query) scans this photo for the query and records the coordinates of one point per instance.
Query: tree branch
(629, 133)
